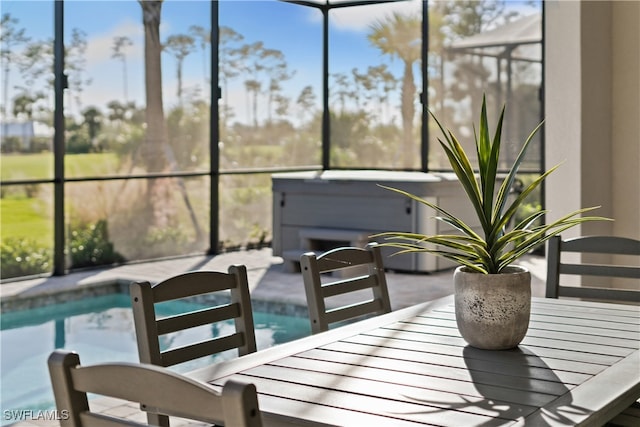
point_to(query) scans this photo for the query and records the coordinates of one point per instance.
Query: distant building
(25, 132)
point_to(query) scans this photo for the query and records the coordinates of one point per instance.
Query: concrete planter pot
(492, 310)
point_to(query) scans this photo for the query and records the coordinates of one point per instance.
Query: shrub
(77, 143)
(160, 242)
(89, 245)
(11, 144)
(23, 257)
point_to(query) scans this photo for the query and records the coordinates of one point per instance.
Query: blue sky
(295, 30)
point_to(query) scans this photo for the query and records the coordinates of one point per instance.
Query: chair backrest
(337, 261)
(595, 245)
(149, 328)
(158, 387)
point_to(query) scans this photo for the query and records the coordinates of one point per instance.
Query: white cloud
(100, 46)
(359, 18)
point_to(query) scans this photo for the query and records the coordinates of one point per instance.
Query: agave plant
(499, 247)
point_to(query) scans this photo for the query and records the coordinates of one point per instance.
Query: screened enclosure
(141, 130)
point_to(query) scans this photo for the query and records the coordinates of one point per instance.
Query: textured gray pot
(492, 310)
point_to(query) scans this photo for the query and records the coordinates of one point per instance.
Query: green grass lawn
(25, 218)
(40, 165)
(30, 217)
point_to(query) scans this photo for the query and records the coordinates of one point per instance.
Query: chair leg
(158, 420)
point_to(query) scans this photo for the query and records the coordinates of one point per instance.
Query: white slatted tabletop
(578, 364)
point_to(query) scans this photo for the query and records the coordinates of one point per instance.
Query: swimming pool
(100, 329)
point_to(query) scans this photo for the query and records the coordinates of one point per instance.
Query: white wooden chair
(149, 328)
(158, 387)
(338, 260)
(595, 245)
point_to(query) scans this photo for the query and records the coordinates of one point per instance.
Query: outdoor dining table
(579, 364)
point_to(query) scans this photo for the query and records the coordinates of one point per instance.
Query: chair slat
(206, 316)
(606, 245)
(600, 270)
(150, 386)
(339, 260)
(193, 283)
(233, 285)
(354, 310)
(169, 390)
(599, 293)
(350, 285)
(602, 245)
(103, 420)
(201, 349)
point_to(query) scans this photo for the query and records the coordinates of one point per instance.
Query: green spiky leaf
(499, 247)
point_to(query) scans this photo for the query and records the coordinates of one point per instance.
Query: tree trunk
(179, 75)
(157, 153)
(156, 134)
(408, 112)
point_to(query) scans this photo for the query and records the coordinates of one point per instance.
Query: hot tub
(320, 210)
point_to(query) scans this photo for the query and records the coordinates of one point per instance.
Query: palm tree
(120, 43)
(340, 89)
(93, 120)
(36, 64)
(253, 88)
(23, 107)
(157, 151)
(156, 132)
(400, 36)
(388, 84)
(205, 38)
(76, 62)
(23, 104)
(9, 38)
(117, 111)
(250, 55)
(275, 69)
(230, 60)
(180, 46)
(306, 102)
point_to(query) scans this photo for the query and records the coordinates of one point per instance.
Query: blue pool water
(99, 329)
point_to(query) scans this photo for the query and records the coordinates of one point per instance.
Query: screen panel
(271, 82)
(145, 115)
(126, 220)
(375, 80)
(492, 50)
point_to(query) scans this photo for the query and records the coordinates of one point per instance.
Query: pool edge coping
(32, 297)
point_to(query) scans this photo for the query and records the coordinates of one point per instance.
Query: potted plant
(492, 294)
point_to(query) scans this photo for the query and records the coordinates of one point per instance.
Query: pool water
(99, 329)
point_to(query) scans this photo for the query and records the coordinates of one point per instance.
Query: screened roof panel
(330, 4)
(521, 38)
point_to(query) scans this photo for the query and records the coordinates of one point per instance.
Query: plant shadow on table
(530, 384)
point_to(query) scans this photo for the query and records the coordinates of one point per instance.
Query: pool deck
(269, 283)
